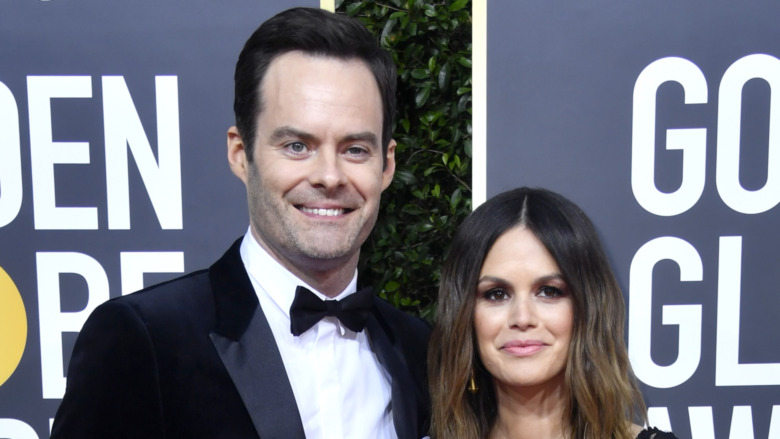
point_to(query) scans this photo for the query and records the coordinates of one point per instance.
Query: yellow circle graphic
(13, 326)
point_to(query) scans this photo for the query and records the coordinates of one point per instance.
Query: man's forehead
(297, 79)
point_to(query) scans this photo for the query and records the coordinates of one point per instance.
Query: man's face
(317, 174)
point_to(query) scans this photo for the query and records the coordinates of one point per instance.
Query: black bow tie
(307, 309)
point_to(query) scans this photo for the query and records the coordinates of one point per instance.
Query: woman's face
(523, 314)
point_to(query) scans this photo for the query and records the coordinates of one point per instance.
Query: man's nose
(327, 170)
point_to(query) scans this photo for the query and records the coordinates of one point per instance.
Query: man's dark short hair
(315, 32)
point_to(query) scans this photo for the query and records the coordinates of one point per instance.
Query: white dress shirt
(340, 388)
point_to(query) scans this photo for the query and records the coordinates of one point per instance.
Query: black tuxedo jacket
(195, 358)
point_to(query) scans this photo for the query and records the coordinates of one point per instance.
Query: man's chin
(334, 246)
(327, 254)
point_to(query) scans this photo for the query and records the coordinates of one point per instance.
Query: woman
(529, 335)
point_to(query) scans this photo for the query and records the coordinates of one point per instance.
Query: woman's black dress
(654, 433)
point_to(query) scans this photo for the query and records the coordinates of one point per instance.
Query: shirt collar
(274, 279)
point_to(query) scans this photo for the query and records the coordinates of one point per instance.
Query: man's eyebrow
(286, 132)
(365, 136)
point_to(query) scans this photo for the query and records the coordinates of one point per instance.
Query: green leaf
(411, 209)
(424, 227)
(430, 117)
(405, 176)
(455, 197)
(444, 77)
(463, 102)
(387, 29)
(458, 5)
(405, 123)
(422, 96)
(430, 43)
(420, 74)
(352, 8)
(465, 62)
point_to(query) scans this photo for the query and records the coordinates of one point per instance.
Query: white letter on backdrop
(53, 322)
(692, 141)
(135, 264)
(161, 177)
(10, 158)
(731, 191)
(16, 429)
(728, 370)
(45, 153)
(774, 423)
(640, 302)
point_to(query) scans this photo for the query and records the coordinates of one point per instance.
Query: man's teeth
(323, 212)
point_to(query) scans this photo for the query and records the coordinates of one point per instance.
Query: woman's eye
(495, 295)
(550, 292)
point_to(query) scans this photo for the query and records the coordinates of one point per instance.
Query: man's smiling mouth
(322, 212)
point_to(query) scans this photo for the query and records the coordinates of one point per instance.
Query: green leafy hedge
(431, 193)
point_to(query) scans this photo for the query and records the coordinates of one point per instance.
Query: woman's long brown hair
(603, 393)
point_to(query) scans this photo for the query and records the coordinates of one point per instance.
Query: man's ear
(389, 170)
(236, 154)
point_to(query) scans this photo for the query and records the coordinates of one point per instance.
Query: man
(221, 352)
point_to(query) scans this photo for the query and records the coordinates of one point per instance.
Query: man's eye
(297, 147)
(356, 150)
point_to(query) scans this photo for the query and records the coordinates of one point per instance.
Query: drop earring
(472, 387)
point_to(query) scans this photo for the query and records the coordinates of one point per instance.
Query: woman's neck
(531, 412)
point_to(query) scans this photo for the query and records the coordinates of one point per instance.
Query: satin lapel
(248, 350)
(403, 387)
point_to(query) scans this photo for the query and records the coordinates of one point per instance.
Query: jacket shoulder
(167, 296)
(404, 326)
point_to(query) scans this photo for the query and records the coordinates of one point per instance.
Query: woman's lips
(523, 348)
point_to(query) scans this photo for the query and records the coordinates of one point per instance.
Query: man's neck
(328, 276)
(328, 282)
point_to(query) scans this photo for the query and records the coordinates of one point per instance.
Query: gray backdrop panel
(560, 109)
(198, 41)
